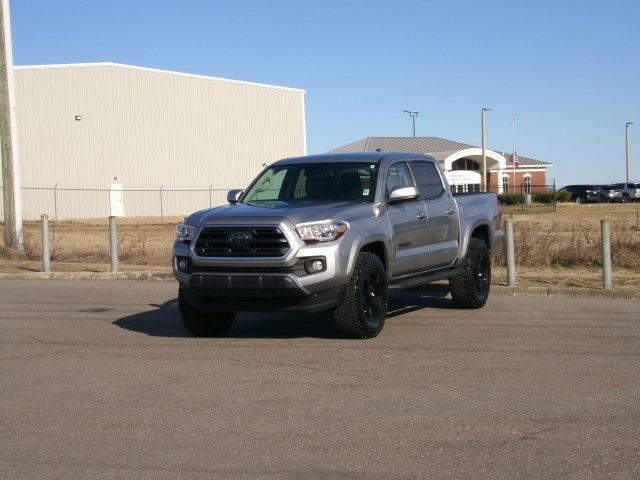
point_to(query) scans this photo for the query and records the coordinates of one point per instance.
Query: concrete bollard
(113, 243)
(606, 254)
(511, 256)
(46, 254)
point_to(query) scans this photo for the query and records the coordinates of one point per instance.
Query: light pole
(484, 150)
(628, 151)
(413, 114)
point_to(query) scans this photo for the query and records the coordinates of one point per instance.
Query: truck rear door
(442, 232)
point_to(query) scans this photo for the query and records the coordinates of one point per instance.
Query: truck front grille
(241, 242)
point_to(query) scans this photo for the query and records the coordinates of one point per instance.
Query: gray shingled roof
(426, 145)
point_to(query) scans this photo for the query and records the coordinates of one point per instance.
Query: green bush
(511, 198)
(563, 196)
(542, 197)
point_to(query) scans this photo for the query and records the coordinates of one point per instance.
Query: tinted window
(398, 176)
(350, 183)
(428, 179)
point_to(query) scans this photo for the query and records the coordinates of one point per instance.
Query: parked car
(630, 191)
(584, 193)
(334, 232)
(611, 194)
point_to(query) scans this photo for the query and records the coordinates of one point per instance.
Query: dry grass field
(552, 248)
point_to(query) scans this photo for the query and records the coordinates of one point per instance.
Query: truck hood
(295, 212)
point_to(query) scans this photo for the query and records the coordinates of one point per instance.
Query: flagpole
(513, 155)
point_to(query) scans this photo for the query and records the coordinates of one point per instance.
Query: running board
(416, 281)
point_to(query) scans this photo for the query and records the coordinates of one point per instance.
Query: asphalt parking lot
(99, 380)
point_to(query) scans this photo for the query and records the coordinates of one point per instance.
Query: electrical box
(116, 200)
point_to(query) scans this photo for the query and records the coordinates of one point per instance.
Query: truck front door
(442, 223)
(408, 221)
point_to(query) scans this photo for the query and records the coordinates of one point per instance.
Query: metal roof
(149, 69)
(434, 146)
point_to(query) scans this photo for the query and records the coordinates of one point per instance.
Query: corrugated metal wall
(148, 128)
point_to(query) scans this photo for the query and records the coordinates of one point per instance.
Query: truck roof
(364, 157)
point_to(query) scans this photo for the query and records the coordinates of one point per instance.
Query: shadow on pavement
(164, 320)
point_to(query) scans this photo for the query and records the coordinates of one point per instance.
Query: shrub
(563, 196)
(511, 198)
(542, 197)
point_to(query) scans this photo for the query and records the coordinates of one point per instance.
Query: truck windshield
(315, 182)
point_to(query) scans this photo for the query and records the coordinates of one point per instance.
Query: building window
(465, 164)
(505, 184)
(527, 184)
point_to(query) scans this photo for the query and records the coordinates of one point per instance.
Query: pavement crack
(129, 355)
(47, 342)
(306, 367)
(37, 355)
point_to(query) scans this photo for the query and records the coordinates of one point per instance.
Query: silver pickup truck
(334, 232)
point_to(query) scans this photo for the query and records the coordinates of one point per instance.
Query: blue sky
(567, 71)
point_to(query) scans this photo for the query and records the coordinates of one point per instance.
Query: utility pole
(8, 137)
(413, 115)
(514, 156)
(484, 185)
(628, 152)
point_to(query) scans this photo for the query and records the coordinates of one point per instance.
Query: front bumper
(265, 284)
(216, 293)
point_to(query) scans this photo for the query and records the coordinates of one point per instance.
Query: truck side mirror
(234, 195)
(402, 194)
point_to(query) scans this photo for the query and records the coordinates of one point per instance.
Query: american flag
(515, 160)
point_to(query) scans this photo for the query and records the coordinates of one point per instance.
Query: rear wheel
(203, 324)
(363, 309)
(471, 288)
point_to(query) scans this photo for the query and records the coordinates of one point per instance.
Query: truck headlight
(184, 232)
(321, 231)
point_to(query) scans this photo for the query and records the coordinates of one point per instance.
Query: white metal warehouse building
(82, 125)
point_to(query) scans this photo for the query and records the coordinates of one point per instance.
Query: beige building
(82, 125)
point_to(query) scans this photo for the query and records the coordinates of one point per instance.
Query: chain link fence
(522, 198)
(62, 203)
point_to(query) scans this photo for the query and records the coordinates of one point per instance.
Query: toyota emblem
(239, 239)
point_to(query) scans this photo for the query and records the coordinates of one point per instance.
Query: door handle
(421, 216)
(450, 211)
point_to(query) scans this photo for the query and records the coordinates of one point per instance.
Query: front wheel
(579, 200)
(363, 309)
(203, 324)
(470, 289)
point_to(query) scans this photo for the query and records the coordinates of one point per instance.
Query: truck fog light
(182, 264)
(315, 265)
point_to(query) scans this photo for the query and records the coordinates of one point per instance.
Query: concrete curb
(142, 276)
(564, 292)
(168, 277)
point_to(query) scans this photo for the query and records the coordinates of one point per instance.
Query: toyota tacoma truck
(334, 232)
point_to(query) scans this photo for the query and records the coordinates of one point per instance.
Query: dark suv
(584, 193)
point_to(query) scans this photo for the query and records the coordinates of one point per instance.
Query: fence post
(161, 207)
(555, 197)
(46, 255)
(511, 257)
(606, 254)
(55, 201)
(210, 195)
(113, 243)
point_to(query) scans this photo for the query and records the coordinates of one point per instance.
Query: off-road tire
(354, 317)
(203, 324)
(467, 289)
